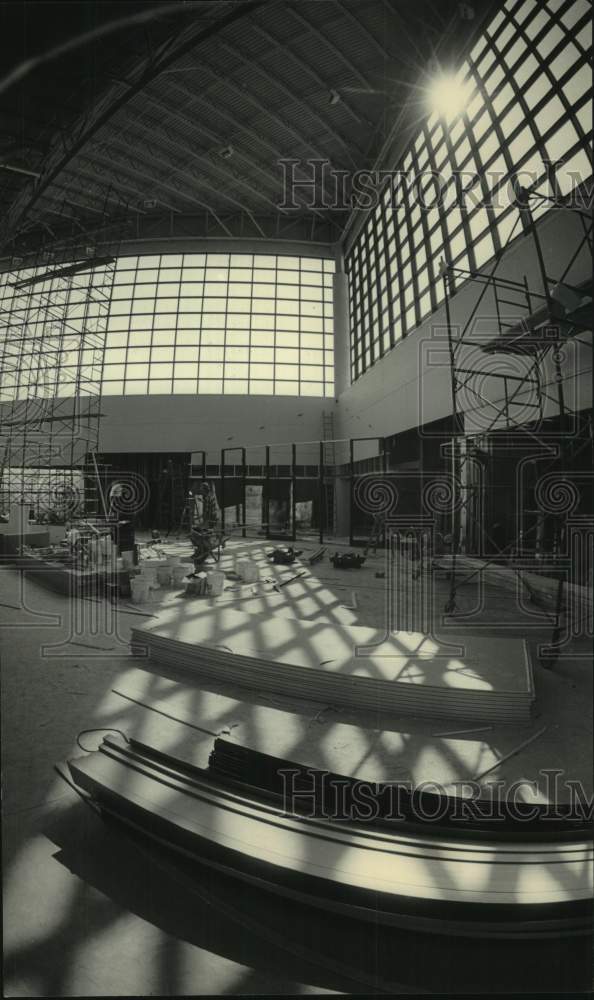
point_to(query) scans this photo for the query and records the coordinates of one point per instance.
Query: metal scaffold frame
(540, 333)
(54, 314)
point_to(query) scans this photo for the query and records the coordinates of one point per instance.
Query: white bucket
(215, 580)
(247, 570)
(178, 574)
(139, 589)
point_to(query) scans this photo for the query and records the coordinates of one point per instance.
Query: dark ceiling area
(173, 118)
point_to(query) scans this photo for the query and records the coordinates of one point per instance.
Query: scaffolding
(54, 310)
(546, 321)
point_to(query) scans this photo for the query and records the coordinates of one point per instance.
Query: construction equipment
(347, 560)
(284, 556)
(197, 585)
(207, 544)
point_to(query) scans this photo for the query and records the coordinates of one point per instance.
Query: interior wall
(410, 386)
(193, 423)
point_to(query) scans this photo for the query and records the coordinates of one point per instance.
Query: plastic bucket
(139, 589)
(215, 581)
(178, 574)
(247, 570)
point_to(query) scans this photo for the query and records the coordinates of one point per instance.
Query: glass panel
(559, 144)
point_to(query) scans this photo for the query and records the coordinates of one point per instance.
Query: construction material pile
(404, 672)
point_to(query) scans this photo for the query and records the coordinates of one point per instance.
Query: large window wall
(221, 323)
(528, 87)
(178, 323)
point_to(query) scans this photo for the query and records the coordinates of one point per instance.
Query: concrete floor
(88, 912)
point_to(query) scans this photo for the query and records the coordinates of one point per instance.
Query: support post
(243, 485)
(455, 525)
(293, 491)
(351, 474)
(321, 496)
(223, 490)
(267, 491)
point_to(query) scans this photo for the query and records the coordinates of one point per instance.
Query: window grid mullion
(496, 127)
(487, 201)
(441, 224)
(398, 258)
(462, 205)
(532, 49)
(529, 114)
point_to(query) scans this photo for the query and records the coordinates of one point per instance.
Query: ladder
(187, 517)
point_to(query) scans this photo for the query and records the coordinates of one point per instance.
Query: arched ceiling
(174, 117)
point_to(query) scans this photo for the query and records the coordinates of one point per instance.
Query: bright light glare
(448, 96)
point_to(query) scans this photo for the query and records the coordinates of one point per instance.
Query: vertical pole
(497, 309)
(351, 473)
(382, 442)
(243, 478)
(451, 604)
(321, 497)
(528, 299)
(562, 528)
(223, 489)
(293, 491)
(267, 491)
(560, 392)
(526, 213)
(203, 466)
(99, 486)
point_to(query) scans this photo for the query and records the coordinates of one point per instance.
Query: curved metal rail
(433, 883)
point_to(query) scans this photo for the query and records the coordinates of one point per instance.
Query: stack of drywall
(467, 677)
